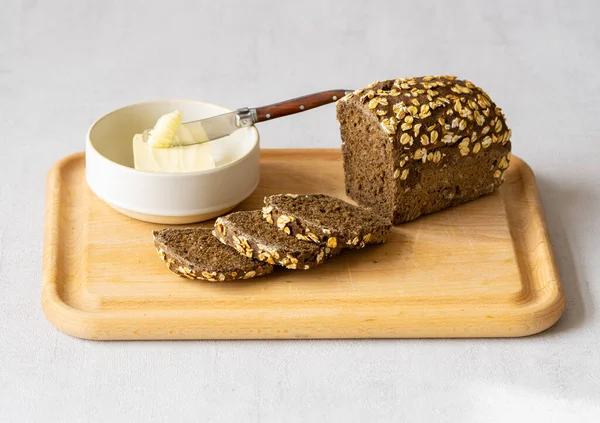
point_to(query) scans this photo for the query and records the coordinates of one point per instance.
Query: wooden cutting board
(484, 269)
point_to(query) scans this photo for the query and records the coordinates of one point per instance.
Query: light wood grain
(484, 269)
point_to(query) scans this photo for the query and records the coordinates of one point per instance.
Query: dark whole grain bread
(326, 220)
(252, 236)
(196, 254)
(414, 146)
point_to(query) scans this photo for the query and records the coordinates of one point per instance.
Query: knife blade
(212, 128)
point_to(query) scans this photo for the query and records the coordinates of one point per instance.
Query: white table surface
(65, 63)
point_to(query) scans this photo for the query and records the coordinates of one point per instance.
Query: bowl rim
(90, 145)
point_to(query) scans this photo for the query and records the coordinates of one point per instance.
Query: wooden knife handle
(297, 105)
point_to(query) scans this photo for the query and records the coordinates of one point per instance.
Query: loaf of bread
(414, 146)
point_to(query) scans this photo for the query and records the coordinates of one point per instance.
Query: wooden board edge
(251, 326)
(52, 304)
(545, 301)
(302, 154)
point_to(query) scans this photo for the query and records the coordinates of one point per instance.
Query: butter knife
(212, 128)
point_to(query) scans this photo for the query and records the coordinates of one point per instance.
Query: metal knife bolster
(245, 117)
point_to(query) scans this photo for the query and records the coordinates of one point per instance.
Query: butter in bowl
(170, 148)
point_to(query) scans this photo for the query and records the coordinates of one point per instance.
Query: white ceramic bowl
(169, 198)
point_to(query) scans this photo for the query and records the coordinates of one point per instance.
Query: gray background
(65, 63)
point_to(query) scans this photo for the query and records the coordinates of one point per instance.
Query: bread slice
(326, 220)
(196, 254)
(413, 146)
(252, 236)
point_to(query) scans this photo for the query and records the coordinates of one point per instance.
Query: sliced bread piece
(196, 254)
(252, 236)
(326, 220)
